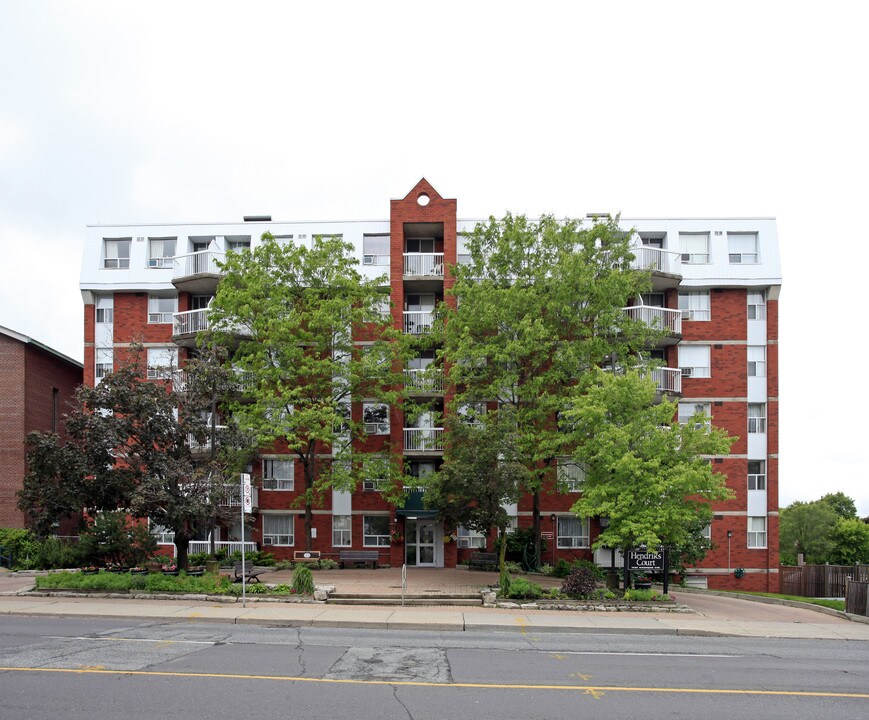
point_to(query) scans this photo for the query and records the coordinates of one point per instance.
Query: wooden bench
(307, 556)
(358, 557)
(247, 572)
(483, 561)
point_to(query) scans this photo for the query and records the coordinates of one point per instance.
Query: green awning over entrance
(415, 507)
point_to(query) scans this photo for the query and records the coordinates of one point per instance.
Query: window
(706, 532)
(470, 538)
(278, 529)
(341, 535)
(694, 305)
(105, 363)
(472, 412)
(756, 418)
(105, 309)
(375, 472)
(342, 421)
(570, 475)
(756, 306)
(742, 248)
(572, 532)
(375, 249)
(756, 361)
(695, 361)
(237, 242)
(162, 362)
(757, 474)
(163, 535)
(375, 416)
(117, 253)
(161, 309)
(653, 299)
(694, 248)
(419, 245)
(161, 252)
(383, 306)
(700, 411)
(278, 474)
(375, 530)
(757, 532)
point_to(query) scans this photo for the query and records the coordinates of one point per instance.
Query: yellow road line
(588, 689)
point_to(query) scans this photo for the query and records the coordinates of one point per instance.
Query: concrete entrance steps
(409, 599)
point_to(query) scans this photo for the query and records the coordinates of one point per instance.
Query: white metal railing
(198, 263)
(430, 380)
(205, 444)
(657, 317)
(425, 439)
(667, 379)
(243, 381)
(418, 322)
(231, 546)
(426, 264)
(190, 321)
(233, 496)
(656, 259)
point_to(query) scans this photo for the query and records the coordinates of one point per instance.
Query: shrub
(645, 595)
(266, 559)
(55, 553)
(520, 546)
(522, 588)
(112, 538)
(303, 580)
(545, 569)
(561, 569)
(580, 583)
(21, 545)
(513, 567)
(328, 564)
(282, 589)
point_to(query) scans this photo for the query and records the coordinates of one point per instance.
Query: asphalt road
(99, 668)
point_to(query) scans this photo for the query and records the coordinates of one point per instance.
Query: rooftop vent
(257, 218)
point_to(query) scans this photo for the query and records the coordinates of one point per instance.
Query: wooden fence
(857, 598)
(820, 581)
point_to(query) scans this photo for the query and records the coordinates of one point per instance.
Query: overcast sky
(206, 111)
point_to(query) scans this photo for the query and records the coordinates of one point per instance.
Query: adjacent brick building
(36, 385)
(716, 284)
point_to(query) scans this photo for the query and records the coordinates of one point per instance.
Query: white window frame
(342, 530)
(468, 538)
(370, 412)
(158, 316)
(104, 363)
(278, 539)
(278, 473)
(372, 251)
(695, 305)
(163, 535)
(756, 539)
(740, 248)
(161, 259)
(687, 410)
(690, 361)
(156, 369)
(757, 480)
(471, 412)
(373, 539)
(756, 306)
(690, 248)
(370, 484)
(104, 310)
(571, 474)
(571, 541)
(234, 243)
(112, 259)
(756, 361)
(756, 418)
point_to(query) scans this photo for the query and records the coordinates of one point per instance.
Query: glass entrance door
(419, 547)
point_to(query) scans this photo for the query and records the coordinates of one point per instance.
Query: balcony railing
(197, 446)
(198, 263)
(430, 380)
(424, 264)
(656, 260)
(667, 380)
(418, 322)
(231, 546)
(241, 382)
(428, 439)
(189, 322)
(657, 317)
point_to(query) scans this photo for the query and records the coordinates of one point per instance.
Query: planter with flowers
(397, 537)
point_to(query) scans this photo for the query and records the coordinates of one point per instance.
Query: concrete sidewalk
(710, 615)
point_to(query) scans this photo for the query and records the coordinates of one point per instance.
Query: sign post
(246, 507)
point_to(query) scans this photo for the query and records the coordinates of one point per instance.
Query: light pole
(729, 535)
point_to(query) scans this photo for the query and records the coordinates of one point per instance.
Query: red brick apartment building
(716, 287)
(36, 385)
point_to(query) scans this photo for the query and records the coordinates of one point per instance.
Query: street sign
(645, 561)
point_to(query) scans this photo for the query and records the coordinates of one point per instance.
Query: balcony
(659, 318)
(202, 447)
(425, 439)
(197, 272)
(424, 265)
(185, 326)
(667, 380)
(665, 265)
(418, 322)
(424, 382)
(242, 382)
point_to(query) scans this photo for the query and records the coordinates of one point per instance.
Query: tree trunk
(182, 540)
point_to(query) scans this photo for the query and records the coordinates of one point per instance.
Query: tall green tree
(649, 475)
(539, 305)
(479, 476)
(805, 528)
(293, 317)
(841, 503)
(139, 446)
(850, 538)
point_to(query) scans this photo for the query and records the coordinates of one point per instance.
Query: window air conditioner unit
(377, 428)
(154, 262)
(686, 371)
(686, 314)
(267, 540)
(686, 257)
(368, 259)
(155, 317)
(371, 485)
(153, 373)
